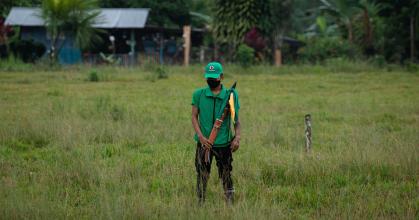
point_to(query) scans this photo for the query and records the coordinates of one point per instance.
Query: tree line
(353, 29)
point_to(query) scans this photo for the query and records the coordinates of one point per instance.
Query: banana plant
(344, 12)
(370, 10)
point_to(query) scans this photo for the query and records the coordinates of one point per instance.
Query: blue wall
(69, 54)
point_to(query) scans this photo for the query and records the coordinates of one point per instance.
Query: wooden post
(307, 119)
(278, 57)
(187, 45)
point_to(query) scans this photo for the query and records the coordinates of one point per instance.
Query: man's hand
(205, 142)
(235, 144)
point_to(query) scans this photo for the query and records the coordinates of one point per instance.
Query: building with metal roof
(108, 18)
(125, 25)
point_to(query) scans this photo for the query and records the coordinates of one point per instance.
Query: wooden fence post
(278, 57)
(187, 44)
(307, 119)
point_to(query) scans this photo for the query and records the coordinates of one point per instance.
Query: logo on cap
(211, 68)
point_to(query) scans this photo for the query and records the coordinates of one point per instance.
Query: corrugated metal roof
(25, 17)
(122, 18)
(108, 18)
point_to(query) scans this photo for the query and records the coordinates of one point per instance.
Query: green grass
(122, 147)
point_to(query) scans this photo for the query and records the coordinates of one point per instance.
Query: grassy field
(122, 147)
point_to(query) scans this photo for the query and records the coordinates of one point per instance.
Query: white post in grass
(307, 119)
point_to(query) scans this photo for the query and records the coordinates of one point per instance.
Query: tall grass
(123, 148)
(12, 63)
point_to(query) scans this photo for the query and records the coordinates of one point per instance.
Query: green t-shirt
(210, 108)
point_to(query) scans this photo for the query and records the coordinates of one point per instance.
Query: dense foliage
(163, 13)
(166, 13)
(233, 19)
(245, 55)
(6, 5)
(387, 28)
(319, 49)
(377, 27)
(27, 50)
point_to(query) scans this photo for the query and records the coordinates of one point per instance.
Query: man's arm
(195, 124)
(236, 141)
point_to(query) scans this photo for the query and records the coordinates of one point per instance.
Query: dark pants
(224, 158)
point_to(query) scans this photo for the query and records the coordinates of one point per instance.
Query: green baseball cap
(213, 70)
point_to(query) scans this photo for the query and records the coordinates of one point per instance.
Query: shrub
(156, 72)
(412, 67)
(245, 55)
(319, 49)
(379, 61)
(27, 50)
(161, 73)
(93, 77)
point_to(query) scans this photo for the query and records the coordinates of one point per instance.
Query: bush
(379, 61)
(161, 73)
(412, 67)
(319, 49)
(245, 55)
(156, 72)
(27, 50)
(93, 77)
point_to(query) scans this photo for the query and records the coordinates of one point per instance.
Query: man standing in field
(208, 104)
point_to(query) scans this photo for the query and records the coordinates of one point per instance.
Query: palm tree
(370, 10)
(344, 11)
(69, 18)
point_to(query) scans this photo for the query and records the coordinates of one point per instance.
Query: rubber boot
(229, 197)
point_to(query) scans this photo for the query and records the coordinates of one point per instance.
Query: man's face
(214, 82)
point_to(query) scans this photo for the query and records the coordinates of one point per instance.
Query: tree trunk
(368, 29)
(59, 45)
(277, 45)
(53, 50)
(216, 51)
(215, 41)
(350, 33)
(412, 38)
